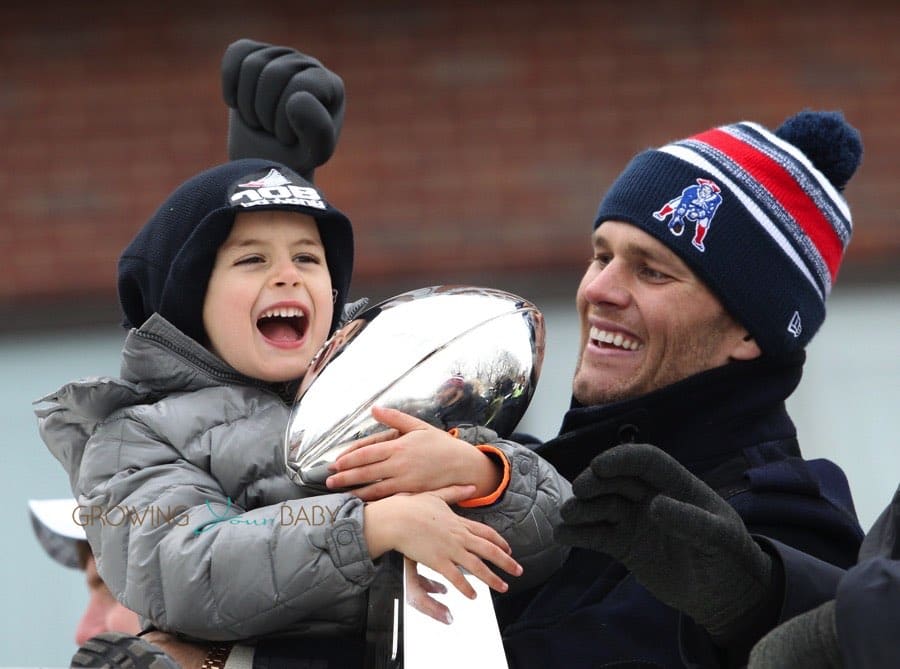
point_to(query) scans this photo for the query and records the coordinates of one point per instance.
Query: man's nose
(609, 286)
(92, 623)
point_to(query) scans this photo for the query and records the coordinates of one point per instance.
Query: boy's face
(268, 306)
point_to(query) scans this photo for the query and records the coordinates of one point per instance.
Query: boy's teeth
(283, 312)
(616, 340)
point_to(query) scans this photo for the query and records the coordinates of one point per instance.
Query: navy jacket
(867, 608)
(729, 426)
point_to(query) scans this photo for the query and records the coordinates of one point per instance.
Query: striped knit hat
(758, 216)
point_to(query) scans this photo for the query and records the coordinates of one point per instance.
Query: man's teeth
(282, 312)
(616, 339)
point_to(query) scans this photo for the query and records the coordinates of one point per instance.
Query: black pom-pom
(831, 144)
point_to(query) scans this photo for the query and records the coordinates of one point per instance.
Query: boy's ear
(746, 348)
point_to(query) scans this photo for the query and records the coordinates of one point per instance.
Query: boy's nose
(285, 273)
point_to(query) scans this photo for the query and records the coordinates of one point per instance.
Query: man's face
(646, 320)
(103, 612)
(268, 306)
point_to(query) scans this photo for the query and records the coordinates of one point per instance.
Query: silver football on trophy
(449, 355)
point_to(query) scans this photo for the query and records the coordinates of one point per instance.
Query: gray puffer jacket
(193, 519)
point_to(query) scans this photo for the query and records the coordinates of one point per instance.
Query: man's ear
(746, 348)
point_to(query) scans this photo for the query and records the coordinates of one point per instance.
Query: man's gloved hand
(284, 105)
(680, 539)
(808, 641)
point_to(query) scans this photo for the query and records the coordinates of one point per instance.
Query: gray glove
(679, 539)
(808, 641)
(284, 105)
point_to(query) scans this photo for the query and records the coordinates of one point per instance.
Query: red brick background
(478, 139)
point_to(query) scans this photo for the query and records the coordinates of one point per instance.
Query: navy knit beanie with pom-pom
(166, 267)
(758, 216)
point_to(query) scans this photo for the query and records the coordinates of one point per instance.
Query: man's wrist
(758, 619)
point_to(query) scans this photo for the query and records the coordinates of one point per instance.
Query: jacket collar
(701, 421)
(164, 359)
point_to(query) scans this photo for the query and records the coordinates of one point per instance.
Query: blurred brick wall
(478, 139)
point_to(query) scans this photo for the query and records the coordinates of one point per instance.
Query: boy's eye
(307, 258)
(601, 259)
(248, 260)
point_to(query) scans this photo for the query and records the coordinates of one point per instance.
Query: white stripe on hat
(755, 188)
(833, 194)
(692, 157)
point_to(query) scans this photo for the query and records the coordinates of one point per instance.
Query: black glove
(285, 106)
(679, 539)
(808, 641)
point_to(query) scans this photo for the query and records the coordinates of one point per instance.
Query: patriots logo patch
(697, 204)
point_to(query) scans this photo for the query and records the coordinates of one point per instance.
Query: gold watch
(216, 656)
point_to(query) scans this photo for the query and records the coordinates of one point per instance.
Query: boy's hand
(284, 105)
(424, 528)
(422, 458)
(418, 594)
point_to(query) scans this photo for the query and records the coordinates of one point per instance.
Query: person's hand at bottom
(418, 594)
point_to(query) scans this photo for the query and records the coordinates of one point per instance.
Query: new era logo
(795, 327)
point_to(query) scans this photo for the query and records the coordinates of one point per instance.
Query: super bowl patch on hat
(273, 188)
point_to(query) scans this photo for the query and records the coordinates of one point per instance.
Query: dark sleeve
(802, 582)
(808, 581)
(868, 599)
(868, 615)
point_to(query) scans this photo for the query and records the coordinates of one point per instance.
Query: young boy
(229, 290)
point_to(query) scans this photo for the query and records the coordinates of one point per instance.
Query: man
(58, 525)
(55, 525)
(688, 352)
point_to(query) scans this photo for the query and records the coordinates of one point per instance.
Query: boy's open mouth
(285, 324)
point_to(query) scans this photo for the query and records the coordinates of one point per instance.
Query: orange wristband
(495, 495)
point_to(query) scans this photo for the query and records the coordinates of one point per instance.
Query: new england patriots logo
(697, 205)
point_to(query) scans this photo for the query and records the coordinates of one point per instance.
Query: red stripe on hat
(785, 189)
